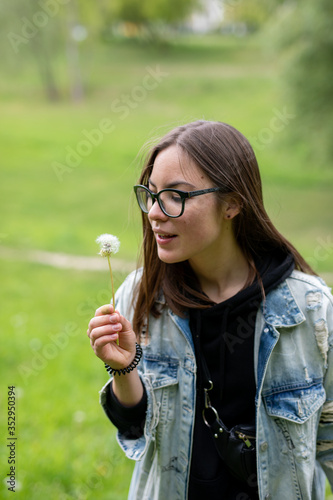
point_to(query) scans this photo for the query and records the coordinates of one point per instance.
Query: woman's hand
(105, 328)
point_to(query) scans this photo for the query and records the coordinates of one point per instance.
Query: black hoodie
(224, 336)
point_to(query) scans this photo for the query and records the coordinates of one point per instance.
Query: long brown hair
(227, 158)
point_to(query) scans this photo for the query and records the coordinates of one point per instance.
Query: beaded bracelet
(129, 368)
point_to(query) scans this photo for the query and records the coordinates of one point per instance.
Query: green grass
(64, 212)
(65, 444)
(66, 447)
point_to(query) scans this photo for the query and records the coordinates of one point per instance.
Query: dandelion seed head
(109, 244)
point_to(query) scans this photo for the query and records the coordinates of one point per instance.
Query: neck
(224, 277)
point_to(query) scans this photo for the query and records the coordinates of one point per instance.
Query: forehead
(174, 164)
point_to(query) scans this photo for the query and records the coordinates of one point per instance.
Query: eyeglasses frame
(184, 195)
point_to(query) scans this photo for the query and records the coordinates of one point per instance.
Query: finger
(102, 341)
(127, 337)
(126, 325)
(105, 319)
(101, 331)
(106, 309)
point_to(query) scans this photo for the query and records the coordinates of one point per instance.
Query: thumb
(126, 325)
(126, 334)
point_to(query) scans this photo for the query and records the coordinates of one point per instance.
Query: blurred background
(83, 86)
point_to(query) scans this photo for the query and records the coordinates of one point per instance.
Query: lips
(166, 236)
(163, 238)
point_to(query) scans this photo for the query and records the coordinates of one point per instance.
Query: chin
(169, 259)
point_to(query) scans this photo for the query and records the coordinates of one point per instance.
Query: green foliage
(145, 11)
(251, 13)
(38, 31)
(302, 33)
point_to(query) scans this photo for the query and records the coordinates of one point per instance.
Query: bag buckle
(207, 398)
(211, 422)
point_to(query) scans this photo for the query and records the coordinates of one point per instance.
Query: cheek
(201, 223)
(207, 219)
(198, 229)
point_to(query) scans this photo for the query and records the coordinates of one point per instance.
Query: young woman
(233, 396)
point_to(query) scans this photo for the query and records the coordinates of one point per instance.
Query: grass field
(67, 173)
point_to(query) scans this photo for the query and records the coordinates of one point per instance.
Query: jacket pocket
(161, 370)
(296, 404)
(295, 412)
(162, 373)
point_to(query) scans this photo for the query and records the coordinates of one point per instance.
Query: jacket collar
(280, 308)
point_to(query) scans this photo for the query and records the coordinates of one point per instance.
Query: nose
(155, 213)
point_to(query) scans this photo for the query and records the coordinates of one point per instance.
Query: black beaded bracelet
(129, 368)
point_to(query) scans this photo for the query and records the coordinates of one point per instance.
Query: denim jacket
(293, 357)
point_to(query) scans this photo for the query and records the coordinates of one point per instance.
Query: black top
(224, 335)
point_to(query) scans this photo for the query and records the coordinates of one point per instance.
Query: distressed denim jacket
(293, 358)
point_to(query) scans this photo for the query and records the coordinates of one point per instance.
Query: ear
(232, 207)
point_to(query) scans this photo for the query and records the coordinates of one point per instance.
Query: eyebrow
(173, 184)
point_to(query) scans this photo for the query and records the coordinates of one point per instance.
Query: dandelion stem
(112, 287)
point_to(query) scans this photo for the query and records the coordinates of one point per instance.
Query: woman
(236, 333)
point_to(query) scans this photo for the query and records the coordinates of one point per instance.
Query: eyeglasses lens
(170, 201)
(144, 199)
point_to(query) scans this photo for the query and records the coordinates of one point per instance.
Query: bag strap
(209, 414)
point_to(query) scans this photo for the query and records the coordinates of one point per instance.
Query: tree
(147, 12)
(30, 32)
(251, 13)
(304, 37)
(300, 33)
(43, 30)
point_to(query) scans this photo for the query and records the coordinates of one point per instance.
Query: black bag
(236, 446)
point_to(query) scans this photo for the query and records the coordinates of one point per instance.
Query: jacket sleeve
(325, 430)
(129, 421)
(135, 439)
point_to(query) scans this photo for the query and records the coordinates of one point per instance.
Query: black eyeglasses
(171, 201)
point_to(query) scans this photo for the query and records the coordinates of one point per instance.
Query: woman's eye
(176, 198)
